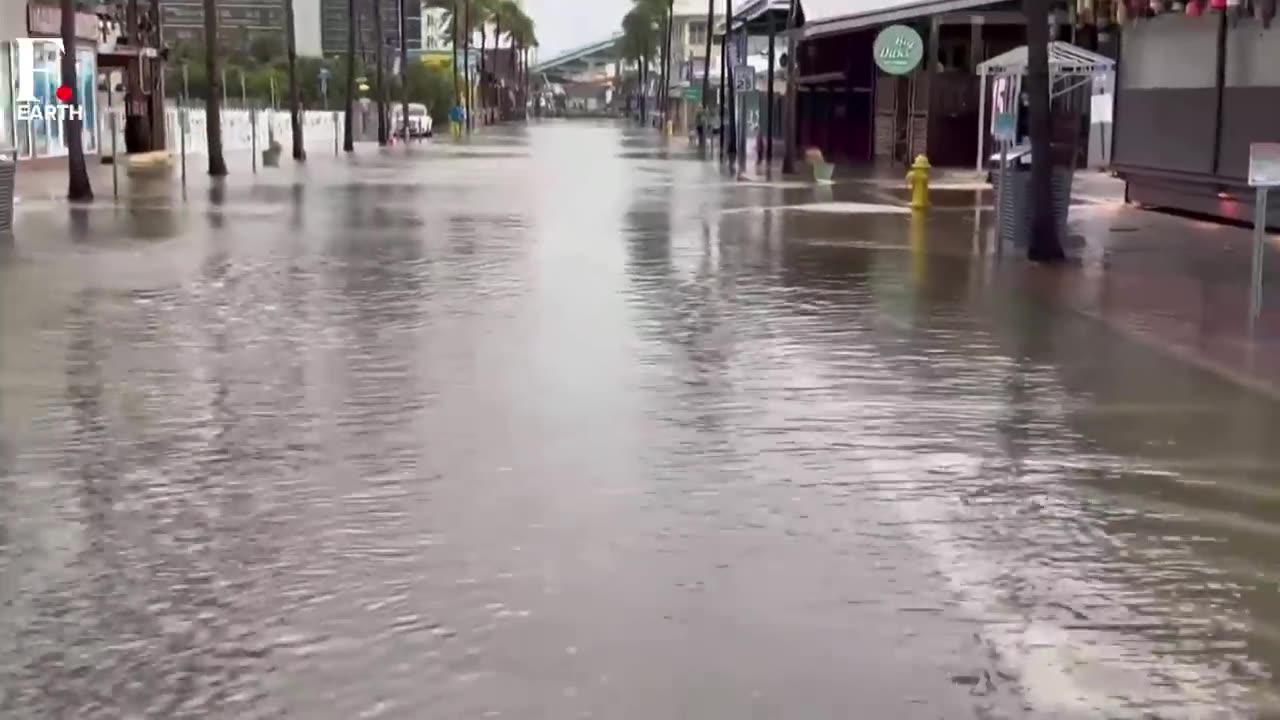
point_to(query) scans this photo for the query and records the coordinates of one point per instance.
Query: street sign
(693, 93)
(744, 78)
(898, 49)
(1264, 165)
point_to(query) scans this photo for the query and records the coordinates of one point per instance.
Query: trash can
(8, 176)
(1014, 213)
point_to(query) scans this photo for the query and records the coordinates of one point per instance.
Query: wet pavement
(563, 424)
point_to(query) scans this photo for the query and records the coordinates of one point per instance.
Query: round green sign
(898, 49)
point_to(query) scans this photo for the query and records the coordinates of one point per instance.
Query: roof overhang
(832, 17)
(1064, 59)
(754, 16)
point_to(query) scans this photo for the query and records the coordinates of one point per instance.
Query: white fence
(320, 129)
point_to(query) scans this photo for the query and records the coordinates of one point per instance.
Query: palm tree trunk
(665, 90)
(78, 187)
(1044, 245)
(212, 109)
(457, 90)
(789, 116)
(378, 43)
(729, 128)
(706, 75)
(404, 67)
(497, 41)
(484, 101)
(348, 133)
(644, 89)
(295, 101)
(466, 46)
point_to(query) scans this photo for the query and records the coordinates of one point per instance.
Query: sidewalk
(1179, 285)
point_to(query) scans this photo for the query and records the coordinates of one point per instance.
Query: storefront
(857, 112)
(31, 74)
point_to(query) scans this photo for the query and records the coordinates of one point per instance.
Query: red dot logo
(64, 93)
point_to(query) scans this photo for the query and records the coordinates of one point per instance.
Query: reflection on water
(543, 431)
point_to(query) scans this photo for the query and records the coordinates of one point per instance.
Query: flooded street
(561, 424)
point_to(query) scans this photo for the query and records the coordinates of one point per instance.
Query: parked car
(419, 124)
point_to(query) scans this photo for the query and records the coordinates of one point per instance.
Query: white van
(420, 122)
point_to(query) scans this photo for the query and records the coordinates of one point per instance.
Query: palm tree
(1044, 245)
(212, 99)
(78, 187)
(663, 12)
(295, 101)
(353, 18)
(486, 11)
(639, 30)
(379, 42)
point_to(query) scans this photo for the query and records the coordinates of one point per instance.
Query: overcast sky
(564, 24)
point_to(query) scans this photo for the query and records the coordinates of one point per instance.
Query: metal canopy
(1064, 59)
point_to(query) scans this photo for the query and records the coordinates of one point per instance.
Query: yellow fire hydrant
(918, 181)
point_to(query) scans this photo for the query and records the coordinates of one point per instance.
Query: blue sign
(1004, 126)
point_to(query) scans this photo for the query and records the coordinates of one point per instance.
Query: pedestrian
(457, 116)
(700, 124)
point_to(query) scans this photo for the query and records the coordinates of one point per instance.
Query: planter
(1014, 213)
(271, 156)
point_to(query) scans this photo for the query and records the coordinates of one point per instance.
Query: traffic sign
(744, 78)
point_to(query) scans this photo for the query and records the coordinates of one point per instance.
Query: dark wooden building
(855, 113)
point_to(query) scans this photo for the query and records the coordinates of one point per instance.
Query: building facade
(1193, 93)
(334, 17)
(31, 51)
(184, 19)
(688, 55)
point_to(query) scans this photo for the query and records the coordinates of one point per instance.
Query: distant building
(183, 20)
(335, 16)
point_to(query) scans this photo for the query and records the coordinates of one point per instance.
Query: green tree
(430, 85)
(639, 35)
(523, 36)
(265, 48)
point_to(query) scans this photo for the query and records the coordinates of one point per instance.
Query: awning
(830, 17)
(752, 11)
(1064, 59)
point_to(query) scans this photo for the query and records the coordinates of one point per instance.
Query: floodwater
(559, 424)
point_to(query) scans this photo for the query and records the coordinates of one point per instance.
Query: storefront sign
(898, 49)
(1264, 165)
(46, 21)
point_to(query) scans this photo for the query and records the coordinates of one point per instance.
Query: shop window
(697, 34)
